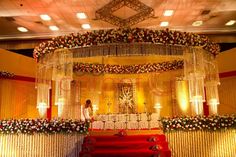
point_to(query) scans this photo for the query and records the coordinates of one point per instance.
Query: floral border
(126, 35)
(31, 126)
(211, 123)
(6, 74)
(127, 69)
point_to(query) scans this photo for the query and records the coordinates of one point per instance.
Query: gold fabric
(202, 143)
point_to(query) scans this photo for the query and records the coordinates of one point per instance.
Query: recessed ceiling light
(168, 12)
(197, 23)
(164, 24)
(53, 28)
(81, 15)
(45, 17)
(86, 26)
(22, 29)
(230, 23)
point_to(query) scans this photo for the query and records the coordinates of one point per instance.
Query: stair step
(128, 153)
(126, 138)
(126, 145)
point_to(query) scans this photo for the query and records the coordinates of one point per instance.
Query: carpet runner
(125, 146)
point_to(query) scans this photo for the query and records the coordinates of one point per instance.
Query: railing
(40, 145)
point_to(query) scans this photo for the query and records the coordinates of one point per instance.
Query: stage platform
(129, 132)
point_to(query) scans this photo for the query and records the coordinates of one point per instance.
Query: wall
(17, 97)
(227, 91)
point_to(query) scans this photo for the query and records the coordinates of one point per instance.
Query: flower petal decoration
(45, 126)
(211, 123)
(126, 35)
(127, 69)
(6, 74)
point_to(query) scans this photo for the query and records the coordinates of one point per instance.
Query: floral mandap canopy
(62, 56)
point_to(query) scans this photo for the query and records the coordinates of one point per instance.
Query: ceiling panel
(14, 13)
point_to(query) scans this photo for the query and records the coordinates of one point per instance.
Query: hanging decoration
(194, 72)
(43, 85)
(62, 74)
(127, 69)
(126, 35)
(211, 83)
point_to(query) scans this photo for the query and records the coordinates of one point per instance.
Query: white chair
(132, 123)
(143, 124)
(154, 123)
(121, 119)
(109, 124)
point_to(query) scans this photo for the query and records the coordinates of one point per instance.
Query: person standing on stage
(88, 110)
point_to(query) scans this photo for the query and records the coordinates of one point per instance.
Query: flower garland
(211, 123)
(31, 126)
(128, 69)
(6, 74)
(126, 35)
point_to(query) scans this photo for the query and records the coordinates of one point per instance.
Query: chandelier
(106, 12)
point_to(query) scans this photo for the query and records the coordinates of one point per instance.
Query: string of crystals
(211, 83)
(194, 73)
(62, 74)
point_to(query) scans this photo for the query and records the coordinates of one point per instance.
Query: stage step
(116, 138)
(96, 132)
(154, 145)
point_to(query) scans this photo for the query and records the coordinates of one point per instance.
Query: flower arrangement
(6, 74)
(128, 69)
(211, 123)
(126, 35)
(31, 126)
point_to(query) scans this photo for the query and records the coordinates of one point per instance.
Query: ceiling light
(22, 29)
(45, 17)
(197, 23)
(86, 26)
(81, 15)
(168, 12)
(230, 23)
(164, 24)
(53, 28)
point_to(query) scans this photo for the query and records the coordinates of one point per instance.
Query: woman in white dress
(88, 110)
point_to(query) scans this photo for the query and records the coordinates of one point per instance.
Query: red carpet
(125, 146)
